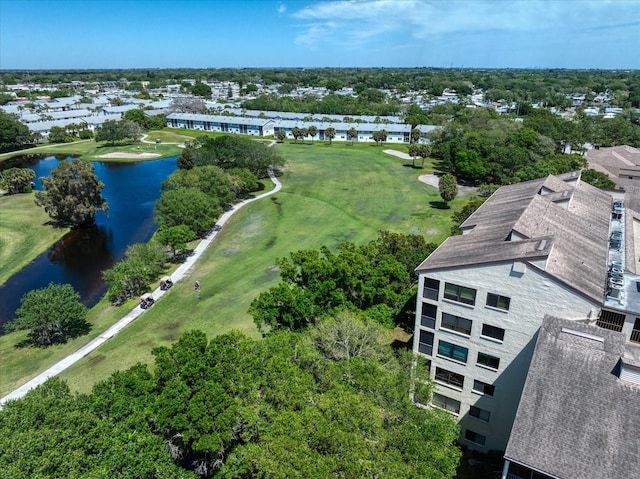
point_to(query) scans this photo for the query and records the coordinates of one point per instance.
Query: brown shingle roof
(576, 418)
(572, 219)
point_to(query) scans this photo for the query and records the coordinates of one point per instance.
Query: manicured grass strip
(25, 233)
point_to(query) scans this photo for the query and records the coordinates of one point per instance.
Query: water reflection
(79, 258)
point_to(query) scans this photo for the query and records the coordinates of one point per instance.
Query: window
(428, 317)
(460, 294)
(497, 301)
(431, 289)
(444, 402)
(635, 332)
(425, 346)
(483, 388)
(469, 435)
(455, 323)
(449, 377)
(488, 361)
(611, 320)
(493, 332)
(479, 413)
(452, 351)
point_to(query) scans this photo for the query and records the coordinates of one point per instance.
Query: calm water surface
(79, 258)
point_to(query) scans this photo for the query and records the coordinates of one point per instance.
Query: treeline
(535, 86)
(330, 402)
(213, 174)
(480, 147)
(371, 102)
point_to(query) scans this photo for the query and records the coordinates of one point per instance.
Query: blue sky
(70, 34)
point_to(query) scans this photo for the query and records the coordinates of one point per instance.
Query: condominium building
(550, 246)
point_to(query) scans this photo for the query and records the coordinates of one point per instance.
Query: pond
(79, 258)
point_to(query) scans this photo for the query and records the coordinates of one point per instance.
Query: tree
(188, 105)
(209, 179)
(111, 131)
(132, 130)
(201, 90)
(281, 135)
(234, 151)
(304, 132)
(352, 134)
(597, 179)
(17, 180)
(461, 216)
(136, 115)
(13, 133)
(330, 133)
(448, 187)
(130, 277)
(348, 335)
(380, 136)
(415, 135)
(175, 238)
(187, 206)
(73, 194)
(319, 283)
(313, 131)
(295, 131)
(57, 134)
(52, 315)
(185, 160)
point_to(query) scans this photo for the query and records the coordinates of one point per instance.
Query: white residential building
(223, 124)
(532, 249)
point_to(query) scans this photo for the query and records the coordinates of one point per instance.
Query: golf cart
(146, 300)
(165, 283)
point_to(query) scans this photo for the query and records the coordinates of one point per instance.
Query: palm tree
(330, 133)
(352, 134)
(313, 131)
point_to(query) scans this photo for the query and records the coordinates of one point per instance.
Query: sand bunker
(118, 154)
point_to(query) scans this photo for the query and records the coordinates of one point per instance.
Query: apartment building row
(268, 127)
(549, 247)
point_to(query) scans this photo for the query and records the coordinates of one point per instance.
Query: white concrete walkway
(177, 275)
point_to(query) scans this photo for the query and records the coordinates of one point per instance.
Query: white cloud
(355, 22)
(282, 8)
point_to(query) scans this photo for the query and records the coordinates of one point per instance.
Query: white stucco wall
(532, 296)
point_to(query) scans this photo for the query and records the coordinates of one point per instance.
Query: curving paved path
(177, 275)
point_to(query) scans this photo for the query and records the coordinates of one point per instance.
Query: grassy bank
(92, 151)
(330, 194)
(25, 232)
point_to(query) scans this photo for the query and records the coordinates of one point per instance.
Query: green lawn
(331, 193)
(92, 151)
(23, 236)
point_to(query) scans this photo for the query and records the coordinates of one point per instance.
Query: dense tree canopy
(374, 278)
(479, 147)
(17, 180)
(187, 206)
(13, 134)
(73, 193)
(233, 151)
(209, 179)
(113, 131)
(292, 405)
(52, 315)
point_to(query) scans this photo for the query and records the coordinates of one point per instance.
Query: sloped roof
(558, 219)
(576, 418)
